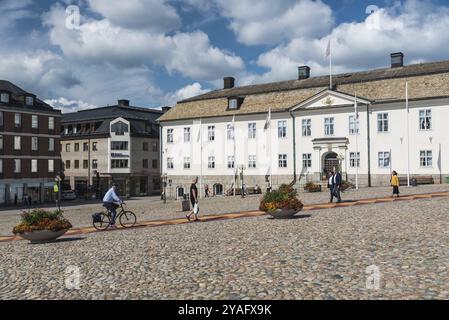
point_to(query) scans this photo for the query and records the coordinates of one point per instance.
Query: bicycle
(102, 220)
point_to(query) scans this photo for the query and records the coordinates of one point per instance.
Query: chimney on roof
(123, 103)
(303, 72)
(165, 109)
(397, 59)
(228, 82)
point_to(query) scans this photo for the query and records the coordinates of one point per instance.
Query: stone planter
(42, 236)
(283, 214)
(315, 188)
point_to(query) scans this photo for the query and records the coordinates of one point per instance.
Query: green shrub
(283, 198)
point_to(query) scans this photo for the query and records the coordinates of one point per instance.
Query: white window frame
(354, 125)
(211, 162)
(169, 135)
(233, 104)
(17, 165)
(425, 119)
(229, 132)
(187, 134)
(29, 101)
(187, 164)
(231, 162)
(383, 124)
(307, 160)
(4, 97)
(282, 129)
(51, 165)
(17, 120)
(252, 130)
(1, 142)
(306, 125)
(17, 143)
(282, 160)
(383, 159)
(211, 133)
(1, 165)
(34, 121)
(34, 165)
(170, 164)
(252, 161)
(329, 126)
(1, 118)
(51, 144)
(353, 158)
(51, 123)
(35, 143)
(426, 158)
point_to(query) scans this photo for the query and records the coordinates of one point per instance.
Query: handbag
(196, 209)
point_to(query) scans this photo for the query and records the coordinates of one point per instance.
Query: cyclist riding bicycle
(109, 200)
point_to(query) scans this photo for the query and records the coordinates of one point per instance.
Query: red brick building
(30, 147)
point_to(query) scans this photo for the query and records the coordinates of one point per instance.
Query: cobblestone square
(322, 254)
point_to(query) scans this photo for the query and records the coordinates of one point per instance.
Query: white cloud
(155, 15)
(271, 22)
(66, 105)
(100, 41)
(186, 92)
(418, 29)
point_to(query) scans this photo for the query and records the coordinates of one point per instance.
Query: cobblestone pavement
(321, 256)
(148, 209)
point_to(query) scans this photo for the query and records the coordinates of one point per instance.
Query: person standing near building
(395, 183)
(337, 181)
(194, 200)
(206, 191)
(330, 185)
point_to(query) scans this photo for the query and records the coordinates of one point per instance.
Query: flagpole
(201, 158)
(356, 145)
(330, 65)
(269, 144)
(408, 134)
(233, 134)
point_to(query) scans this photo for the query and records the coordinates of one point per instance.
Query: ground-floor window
(169, 163)
(354, 160)
(211, 162)
(384, 159)
(306, 160)
(282, 161)
(218, 189)
(231, 162)
(425, 158)
(186, 162)
(252, 162)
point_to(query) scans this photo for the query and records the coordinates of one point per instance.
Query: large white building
(295, 131)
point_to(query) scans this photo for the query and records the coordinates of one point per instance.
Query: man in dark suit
(337, 181)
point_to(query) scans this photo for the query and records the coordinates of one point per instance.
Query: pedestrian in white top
(109, 202)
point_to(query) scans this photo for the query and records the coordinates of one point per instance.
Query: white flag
(232, 128)
(268, 120)
(328, 49)
(355, 107)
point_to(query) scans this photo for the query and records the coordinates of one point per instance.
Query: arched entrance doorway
(218, 189)
(330, 160)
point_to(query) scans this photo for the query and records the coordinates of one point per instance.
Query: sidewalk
(246, 214)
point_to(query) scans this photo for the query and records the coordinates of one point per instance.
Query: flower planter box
(315, 188)
(41, 236)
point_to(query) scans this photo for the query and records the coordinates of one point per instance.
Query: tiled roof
(426, 80)
(17, 98)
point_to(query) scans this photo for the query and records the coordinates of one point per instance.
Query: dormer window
(234, 103)
(4, 97)
(29, 100)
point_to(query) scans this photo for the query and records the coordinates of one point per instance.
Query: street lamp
(241, 168)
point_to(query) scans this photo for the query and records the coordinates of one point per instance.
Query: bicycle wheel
(127, 219)
(103, 223)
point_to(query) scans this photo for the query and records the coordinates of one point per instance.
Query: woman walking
(395, 183)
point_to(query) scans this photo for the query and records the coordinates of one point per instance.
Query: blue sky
(156, 52)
